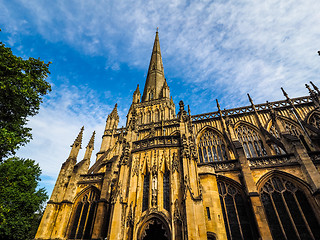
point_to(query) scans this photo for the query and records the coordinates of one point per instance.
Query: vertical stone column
(101, 219)
(176, 196)
(195, 218)
(253, 194)
(307, 166)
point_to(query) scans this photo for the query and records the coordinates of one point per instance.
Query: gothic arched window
(211, 147)
(289, 213)
(291, 128)
(148, 117)
(251, 142)
(236, 214)
(146, 186)
(315, 120)
(166, 190)
(277, 149)
(83, 216)
(157, 116)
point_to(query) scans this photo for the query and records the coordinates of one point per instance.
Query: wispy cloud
(54, 129)
(213, 49)
(225, 46)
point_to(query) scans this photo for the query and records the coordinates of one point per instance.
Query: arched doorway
(155, 229)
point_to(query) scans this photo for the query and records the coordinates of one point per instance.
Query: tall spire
(155, 78)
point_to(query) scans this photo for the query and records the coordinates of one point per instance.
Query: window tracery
(148, 117)
(278, 150)
(289, 213)
(157, 116)
(291, 128)
(166, 190)
(251, 142)
(211, 147)
(84, 216)
(315, 120)
(236, 214)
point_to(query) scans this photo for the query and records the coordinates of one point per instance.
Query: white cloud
(54, 129)
(226, 46)
(215, 49)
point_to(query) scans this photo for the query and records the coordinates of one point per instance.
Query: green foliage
(20, 200)
(22, 86)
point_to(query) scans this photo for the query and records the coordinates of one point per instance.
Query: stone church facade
(243, 173)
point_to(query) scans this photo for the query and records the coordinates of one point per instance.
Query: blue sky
(100, 51)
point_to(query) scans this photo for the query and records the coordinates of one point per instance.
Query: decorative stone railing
(91, 178)
(223, 166)
(154, 142)
(249, 109)
(272, 161)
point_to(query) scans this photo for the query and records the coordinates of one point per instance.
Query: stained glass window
(83, 216)
(289, 213)
(146, 186)
(166, 190)
(251, 142)
(236, 214)
(211, 147)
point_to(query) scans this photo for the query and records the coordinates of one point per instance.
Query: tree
(21, 200)
(22, 86)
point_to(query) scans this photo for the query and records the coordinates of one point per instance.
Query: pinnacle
(315, 87)
(284, 93)
(114, 113)
(137, 90)
(218, 105)
(250, 99)
(78, 140)
(91, 142)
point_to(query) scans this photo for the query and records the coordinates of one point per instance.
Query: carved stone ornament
(154, 191)
(135, 169)
(175, 163)
(130, 220)
(225, 166)
(185, 152)
(193, 151)
(125, 154)
(152, 131)
(176, 213)
(182, 113)
(270, 161)
(190, 127)
(115, 193)
(200, 187)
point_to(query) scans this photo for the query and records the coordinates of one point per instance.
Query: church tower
(244, 173)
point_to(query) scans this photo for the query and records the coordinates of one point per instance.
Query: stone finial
(284, 93)
(250, 99)
(315, 87)
(218, 105)
(182, 112)
(181, 106)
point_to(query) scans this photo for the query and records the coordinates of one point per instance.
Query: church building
(244, 173)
